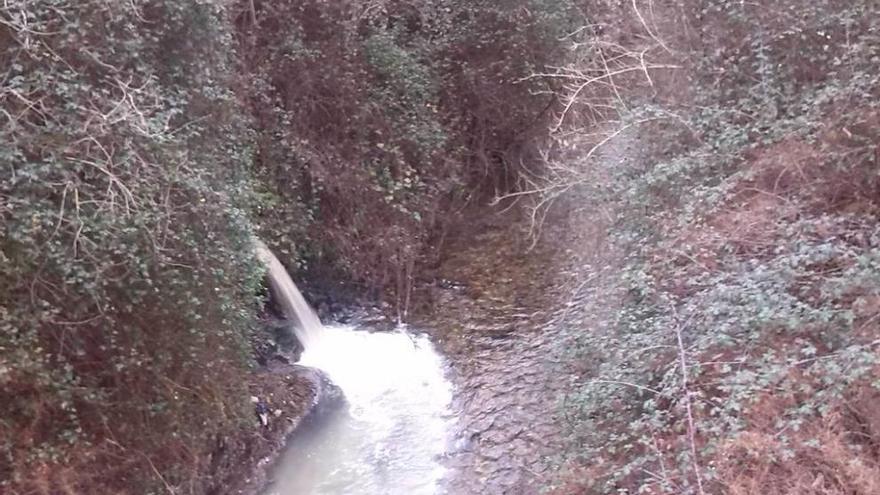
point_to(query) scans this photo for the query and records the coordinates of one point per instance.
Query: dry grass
(836, 454)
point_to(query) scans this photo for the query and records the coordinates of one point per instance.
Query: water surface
(391, 437)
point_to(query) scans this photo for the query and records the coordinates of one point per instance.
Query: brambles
(742, 189)
(128, 284)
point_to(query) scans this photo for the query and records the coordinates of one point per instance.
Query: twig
(687, 404)
(664, 472)
(572, 99)
(629, 384)
(648, 29)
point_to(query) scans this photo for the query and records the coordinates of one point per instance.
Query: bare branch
(648, 28)
(687, 403)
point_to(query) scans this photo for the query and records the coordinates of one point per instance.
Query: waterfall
(393, 433)
(307, 326)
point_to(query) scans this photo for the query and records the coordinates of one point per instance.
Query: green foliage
(127, 280)
(754, 234)
(407, 89)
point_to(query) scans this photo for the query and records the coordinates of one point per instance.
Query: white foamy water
(390, 438)
(307, 326)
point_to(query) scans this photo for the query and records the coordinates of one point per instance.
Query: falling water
(391, 436)
(307, 326)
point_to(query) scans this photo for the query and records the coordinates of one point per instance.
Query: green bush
(752, 233)
(127, 277)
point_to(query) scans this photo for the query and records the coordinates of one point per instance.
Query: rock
(328, 396)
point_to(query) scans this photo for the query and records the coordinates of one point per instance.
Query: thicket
(145, 143)
(730, 152)
(127, 283)
(377, 119)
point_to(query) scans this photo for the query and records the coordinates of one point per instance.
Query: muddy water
(508, 430)
(481, 419)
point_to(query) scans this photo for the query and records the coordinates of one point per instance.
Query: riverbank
(292, 394)
(297, 396)
(241, 462)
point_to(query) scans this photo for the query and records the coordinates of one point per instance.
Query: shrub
(127, 276)
(744, 222)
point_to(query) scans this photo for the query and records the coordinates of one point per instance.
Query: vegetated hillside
(374, 118)
(729, 152)
(146, 142)
(127, 283)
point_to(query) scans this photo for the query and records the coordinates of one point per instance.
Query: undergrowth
(127, 280)
(741, 355)
(377, 118)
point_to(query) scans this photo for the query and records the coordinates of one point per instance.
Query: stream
(477, 416)
(393, 432)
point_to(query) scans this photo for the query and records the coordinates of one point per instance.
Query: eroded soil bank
(241, 463)
(295, 396)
